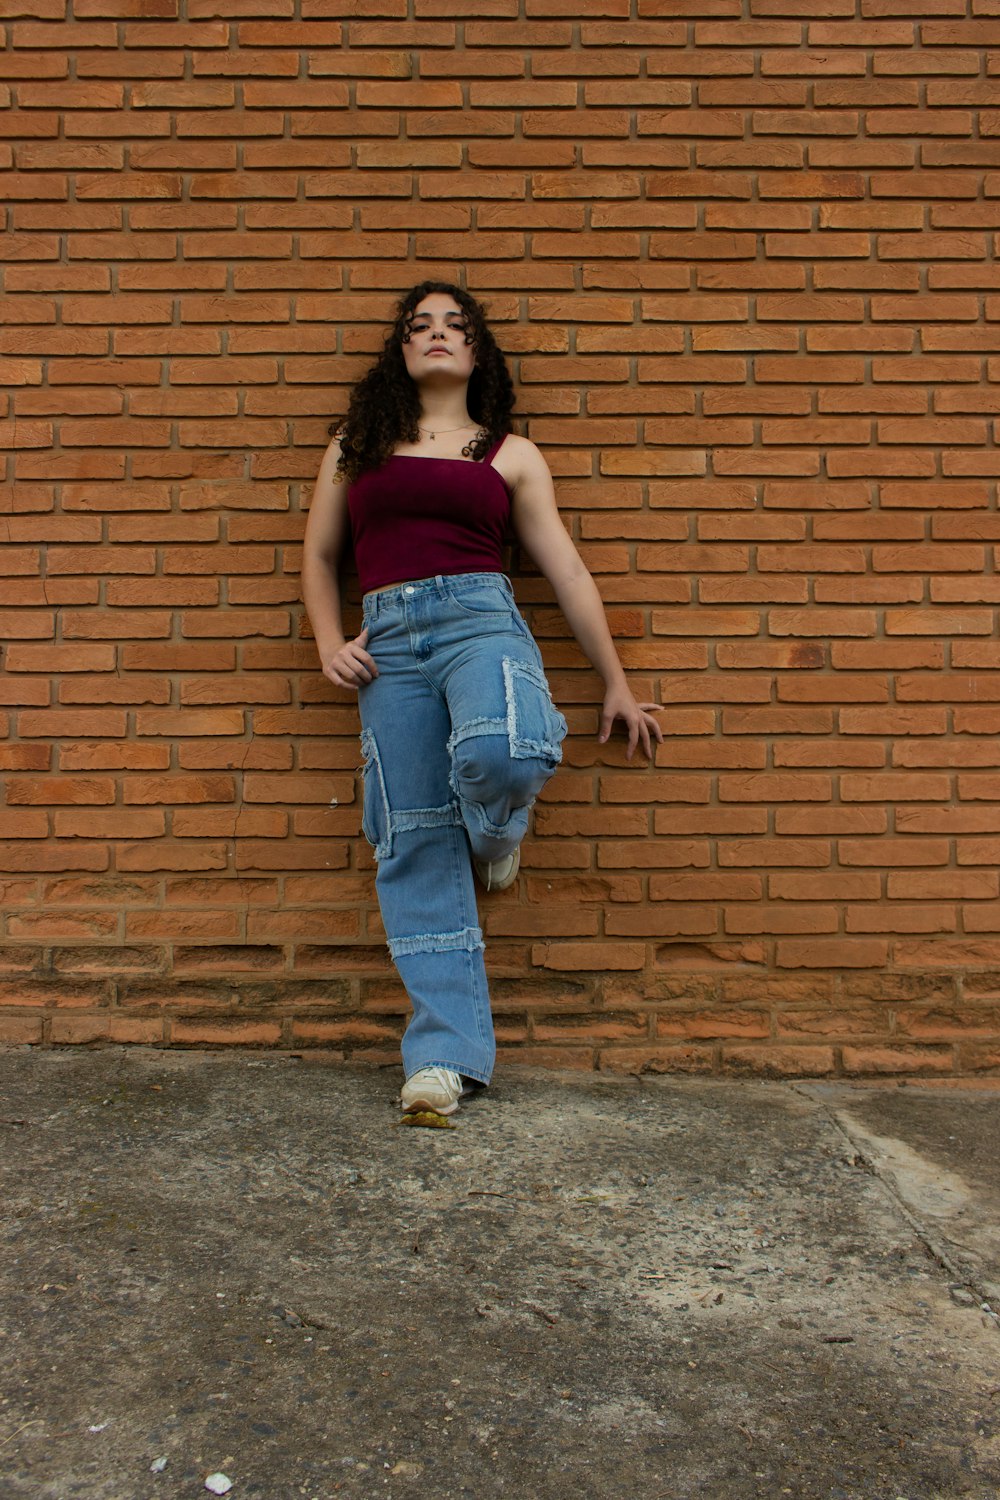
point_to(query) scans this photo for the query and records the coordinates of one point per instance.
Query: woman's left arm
(541, 532)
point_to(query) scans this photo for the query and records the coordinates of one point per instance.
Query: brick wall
(744, 264)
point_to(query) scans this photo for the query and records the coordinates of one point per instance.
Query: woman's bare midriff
(402, 584)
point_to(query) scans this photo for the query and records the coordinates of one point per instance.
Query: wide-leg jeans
(459, 735)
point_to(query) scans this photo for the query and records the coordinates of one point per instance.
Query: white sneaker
(434, 1089)
(498, 874)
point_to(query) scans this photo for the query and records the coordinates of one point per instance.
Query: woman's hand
(350, 666)
(637, 717)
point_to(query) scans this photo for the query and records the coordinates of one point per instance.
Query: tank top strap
(492, 451)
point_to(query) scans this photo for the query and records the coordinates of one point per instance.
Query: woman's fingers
(641, 725)
(652, 724)
(352, 666)
(364, 666)
(367, 661)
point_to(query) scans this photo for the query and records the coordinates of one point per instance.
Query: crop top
(420, 517)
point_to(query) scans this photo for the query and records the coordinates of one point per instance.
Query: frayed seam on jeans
(467, 939)
(535, 727)
(477, 820)
(425, 817)
(376, 819)
(474, 729)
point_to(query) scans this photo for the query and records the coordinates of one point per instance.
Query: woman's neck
(444, 414)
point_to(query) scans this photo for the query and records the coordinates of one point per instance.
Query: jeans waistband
(443, 586)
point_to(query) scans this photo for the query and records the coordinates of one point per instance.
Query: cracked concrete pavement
(239, 1263)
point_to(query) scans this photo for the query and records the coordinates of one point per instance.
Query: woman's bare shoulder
(331, 486)
(514, 443)
(520, 458)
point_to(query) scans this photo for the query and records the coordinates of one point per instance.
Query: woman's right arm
(346, 663)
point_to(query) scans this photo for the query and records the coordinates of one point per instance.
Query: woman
(459, 733)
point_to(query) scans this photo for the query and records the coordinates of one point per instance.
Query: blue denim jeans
(459, 735)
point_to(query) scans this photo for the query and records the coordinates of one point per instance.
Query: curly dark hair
(384, 409)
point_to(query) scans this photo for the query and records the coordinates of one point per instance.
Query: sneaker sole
(424, 1106)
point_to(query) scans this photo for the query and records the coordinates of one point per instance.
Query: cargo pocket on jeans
(376, 818)
(535, 727)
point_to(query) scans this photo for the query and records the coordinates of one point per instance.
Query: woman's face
(436, 348)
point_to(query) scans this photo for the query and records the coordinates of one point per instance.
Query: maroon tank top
(418, 517)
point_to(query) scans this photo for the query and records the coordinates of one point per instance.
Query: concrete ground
(589, 1287)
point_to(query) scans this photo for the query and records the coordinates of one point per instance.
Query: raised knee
(485, 772)
(480, 763)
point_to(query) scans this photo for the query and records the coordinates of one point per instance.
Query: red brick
(819, 752)
(189, 722)
(109, 823)
(107, 756)
(823, 623)
(723, 1023)
(943, 885)
(588, 956)
(826, 887)
(45, 926)
(889, 655)
(182, 925)
(37, 791)
(38, 858)
(162, 856)
(217, 755)
(23, 825)
(896, 918)
(653, 853)
(178, 789)
(947, 753)
(768, 721)
(899, 1059)
(224, 1032)
(692, 1058)
(179, 657)
(80, 625)
(710, 886)
(887, 851)
(893, 721)
(229, 823)
(894, 787)
(318, 854)
(832, 819)
(20, 1030)
(785, 851)
(832, 953)
(777, 1061)
(72, 723)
